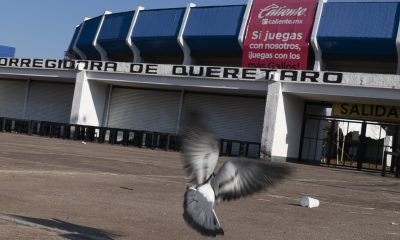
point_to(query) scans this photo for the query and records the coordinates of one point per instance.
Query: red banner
(278, 34)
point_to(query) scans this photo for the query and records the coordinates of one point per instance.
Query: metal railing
(117, 136)
(239, 148)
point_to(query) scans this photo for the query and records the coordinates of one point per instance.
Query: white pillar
(75, 47)
(89, 101)
(274, 93)
(318, 64)
(187, 58)
(100, 50)
(135, 50)
(282, 125)
(244, 22)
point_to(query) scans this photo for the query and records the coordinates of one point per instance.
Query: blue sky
(44, 28)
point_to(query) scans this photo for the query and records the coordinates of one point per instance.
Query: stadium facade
(305, 80)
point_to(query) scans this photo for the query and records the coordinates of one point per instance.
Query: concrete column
(271, 107)
(282, 125)
(89, 101)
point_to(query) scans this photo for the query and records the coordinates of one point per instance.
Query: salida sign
(278, 34)
(366, 111)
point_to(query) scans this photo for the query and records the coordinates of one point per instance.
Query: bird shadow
(67, 230)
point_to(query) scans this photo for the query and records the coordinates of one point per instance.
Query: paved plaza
(62, 189)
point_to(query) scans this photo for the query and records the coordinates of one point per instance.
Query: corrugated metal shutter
(149, 110)
(231, 117)
(12, 98)
(50, 101)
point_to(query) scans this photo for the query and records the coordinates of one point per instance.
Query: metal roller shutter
(231, 117)
(49, 101)
(12, 98)
(150, 110)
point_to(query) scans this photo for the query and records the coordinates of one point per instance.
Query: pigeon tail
(199, 214)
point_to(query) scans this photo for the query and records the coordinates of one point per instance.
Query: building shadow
(67, 230)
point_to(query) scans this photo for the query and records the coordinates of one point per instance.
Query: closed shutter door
(231, 117)
(50, 101)
(149, 110)
(12, 98)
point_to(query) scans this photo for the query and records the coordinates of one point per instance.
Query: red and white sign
(278, 34)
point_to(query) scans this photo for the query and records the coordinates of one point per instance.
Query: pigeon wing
(198, 213)
(200, 148)
(242, 177)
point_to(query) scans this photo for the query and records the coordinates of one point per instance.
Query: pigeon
(235, 179)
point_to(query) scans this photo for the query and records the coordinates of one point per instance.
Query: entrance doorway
(348, 143)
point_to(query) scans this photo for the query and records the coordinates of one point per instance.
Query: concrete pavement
(61, 189)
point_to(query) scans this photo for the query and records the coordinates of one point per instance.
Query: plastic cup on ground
(309, 202)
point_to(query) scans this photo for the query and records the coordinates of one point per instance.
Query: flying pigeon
(235, 179)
